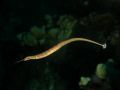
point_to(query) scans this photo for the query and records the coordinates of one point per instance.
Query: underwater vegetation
(104, 77)
(101, 79)
(48, 80)
(100, 26)
(49, 33)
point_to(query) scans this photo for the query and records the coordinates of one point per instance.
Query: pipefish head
(29, 58)
(26, 59)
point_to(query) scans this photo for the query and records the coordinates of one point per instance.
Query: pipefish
(58, 46)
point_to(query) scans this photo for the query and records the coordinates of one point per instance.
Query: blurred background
(29, 27)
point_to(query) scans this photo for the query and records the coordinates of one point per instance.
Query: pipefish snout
(60, 45)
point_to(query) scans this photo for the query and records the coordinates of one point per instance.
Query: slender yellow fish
(58, 46)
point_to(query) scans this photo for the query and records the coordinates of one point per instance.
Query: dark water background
(62, 70)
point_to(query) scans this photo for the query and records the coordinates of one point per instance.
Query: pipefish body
(58, 46)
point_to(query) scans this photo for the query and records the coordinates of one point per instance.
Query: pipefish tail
(60, 45)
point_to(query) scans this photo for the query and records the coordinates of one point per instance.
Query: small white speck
(104, 46)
